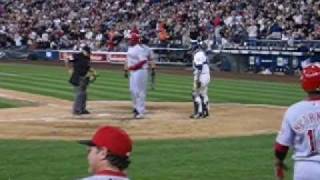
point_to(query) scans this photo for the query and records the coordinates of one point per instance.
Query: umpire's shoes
(85, 112)
(78, 113)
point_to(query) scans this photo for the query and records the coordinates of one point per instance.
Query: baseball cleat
(196, 116)
(79, 113)
(135, 112)
(205, 114)
(76, 113)
(85, 112)
(138, 116)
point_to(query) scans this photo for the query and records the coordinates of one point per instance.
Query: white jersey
(147, 52)
(136, 54)
(200, 59)
(301, 130)
(105, 177)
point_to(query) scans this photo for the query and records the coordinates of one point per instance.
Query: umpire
(81, 72)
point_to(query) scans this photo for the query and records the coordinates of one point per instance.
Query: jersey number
(313, 142)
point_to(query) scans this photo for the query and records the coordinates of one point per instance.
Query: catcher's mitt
(198, 84)
(93, 78)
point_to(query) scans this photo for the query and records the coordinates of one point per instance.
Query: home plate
(103, 115)
(49, 119)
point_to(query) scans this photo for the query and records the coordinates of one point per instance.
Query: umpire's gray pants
(80, 99)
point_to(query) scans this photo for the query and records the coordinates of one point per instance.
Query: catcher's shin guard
(195, 107)
(197, 113)
(195, 104)
(205, 110)
(204, 107)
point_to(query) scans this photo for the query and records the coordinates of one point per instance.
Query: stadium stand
(242, 35)
(60, 24)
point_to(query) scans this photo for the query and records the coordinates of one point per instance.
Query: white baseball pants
(306, 170)
(138, 89)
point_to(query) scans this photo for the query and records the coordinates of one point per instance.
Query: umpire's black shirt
(81, 66)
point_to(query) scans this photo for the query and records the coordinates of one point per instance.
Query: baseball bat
(153, 81)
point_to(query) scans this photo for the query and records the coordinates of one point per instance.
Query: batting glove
(280, 169)
(126, 74)
(153, 72)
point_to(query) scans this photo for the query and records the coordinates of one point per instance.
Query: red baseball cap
(310, 78)
(116, 140)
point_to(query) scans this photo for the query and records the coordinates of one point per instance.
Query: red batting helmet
(310, 78)
(134, 38)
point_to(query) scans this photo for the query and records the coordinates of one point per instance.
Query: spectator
(104, 23)
(252, 33)
(275, 31)
(163, 35)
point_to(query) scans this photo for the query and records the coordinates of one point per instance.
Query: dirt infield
(51, 118)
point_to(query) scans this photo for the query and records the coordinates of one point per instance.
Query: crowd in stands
(106, 24)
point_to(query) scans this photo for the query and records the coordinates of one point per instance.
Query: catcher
(81, 75)
(201, 72)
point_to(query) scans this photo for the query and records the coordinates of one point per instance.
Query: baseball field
(38, 133)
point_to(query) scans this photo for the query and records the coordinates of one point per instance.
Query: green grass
(6, 103)
(242, 158)
(53, 81)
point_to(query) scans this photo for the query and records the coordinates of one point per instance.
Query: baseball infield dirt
(51, 118)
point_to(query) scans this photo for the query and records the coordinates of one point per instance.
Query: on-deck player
(108, 154)
(300, 130)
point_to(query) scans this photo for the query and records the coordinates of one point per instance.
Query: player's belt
(205, 63)
(137, 66)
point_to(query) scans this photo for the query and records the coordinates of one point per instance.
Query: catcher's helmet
(202, 45)
(310, 78)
